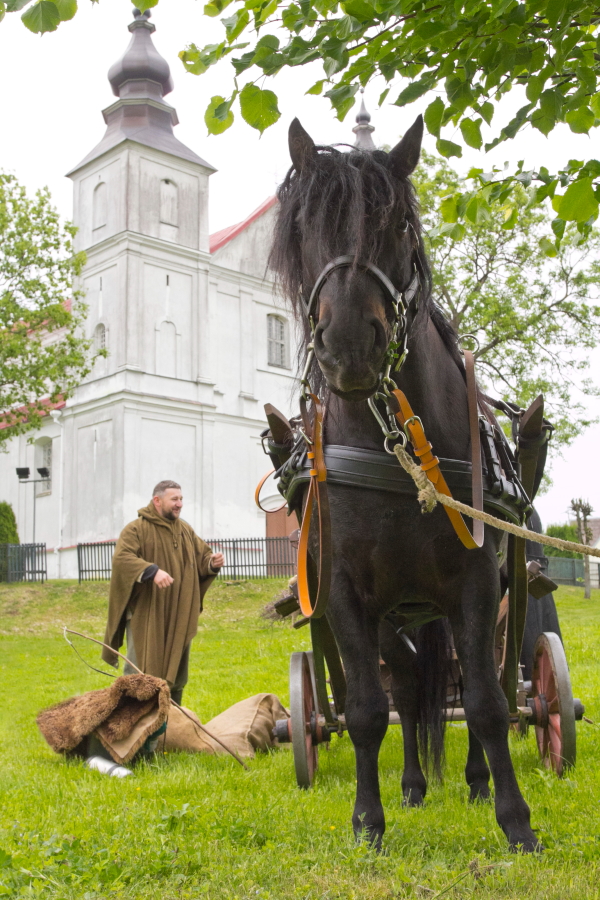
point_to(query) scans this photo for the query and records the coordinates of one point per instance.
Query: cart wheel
(303, 710)
(552, 704)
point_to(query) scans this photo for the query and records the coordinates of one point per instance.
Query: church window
(168, 202)
(44, 459)
(277, 341)
(100, 206)
(100, 337)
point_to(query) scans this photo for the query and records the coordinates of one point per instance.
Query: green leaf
(433, 116)
(578, 203)
(448, 209)
(511, 215)
(66, 9)
(215, 7)
(259, 108)
(342, 99)
(317, 87)
(535, 86)
(548, 247)
(555, 10)
(360, 9)
(471, 132)
(448, 148)
(595, 104)
(235, 24)
(2, 9)
(16, 5)
(41, 17)
(143, 5)
(412, 92)
(218, 116)
(580, 120)
(477, 211)
(487, 111)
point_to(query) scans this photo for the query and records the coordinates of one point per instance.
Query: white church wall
(183, 214)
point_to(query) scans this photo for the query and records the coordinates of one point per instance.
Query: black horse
(386, 555)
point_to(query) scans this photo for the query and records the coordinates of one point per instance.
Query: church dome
(141, 70)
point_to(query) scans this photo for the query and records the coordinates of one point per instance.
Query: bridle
(397, 349)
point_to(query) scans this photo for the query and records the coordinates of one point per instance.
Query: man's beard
(170, 515)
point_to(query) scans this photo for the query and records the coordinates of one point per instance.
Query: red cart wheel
(552, 703)
(303, 719)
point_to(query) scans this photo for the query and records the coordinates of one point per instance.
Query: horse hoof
(413, 797)
(526, 844)
(479, 792)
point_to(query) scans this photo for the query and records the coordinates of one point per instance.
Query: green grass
(200, 827)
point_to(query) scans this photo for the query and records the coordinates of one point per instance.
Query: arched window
(277, 351)
(43, 456)
(169, 203)
(100, 206)
(100, 337)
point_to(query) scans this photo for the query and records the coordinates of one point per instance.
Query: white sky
(55, 87)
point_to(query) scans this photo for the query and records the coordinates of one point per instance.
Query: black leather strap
(343, 262)
(374, 470)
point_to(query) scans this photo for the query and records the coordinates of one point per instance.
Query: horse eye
(403, 226)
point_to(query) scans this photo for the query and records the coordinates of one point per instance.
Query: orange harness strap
(430, 464)
(317, 491)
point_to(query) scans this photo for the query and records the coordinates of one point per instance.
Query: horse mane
(347, 201)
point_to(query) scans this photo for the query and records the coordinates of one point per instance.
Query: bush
(565, 533)
(8, 524)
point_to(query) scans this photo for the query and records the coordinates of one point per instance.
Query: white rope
(428, 497)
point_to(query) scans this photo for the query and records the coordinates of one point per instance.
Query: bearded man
(161, 571)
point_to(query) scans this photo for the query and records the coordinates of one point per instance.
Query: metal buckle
(410, 421)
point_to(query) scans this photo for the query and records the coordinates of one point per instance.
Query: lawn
(189, 826)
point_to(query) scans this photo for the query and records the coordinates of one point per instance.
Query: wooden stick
(213, 737)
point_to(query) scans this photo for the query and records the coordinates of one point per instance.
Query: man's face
(169, 505)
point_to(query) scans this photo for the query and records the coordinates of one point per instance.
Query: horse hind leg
(404, 689)
(477, 773)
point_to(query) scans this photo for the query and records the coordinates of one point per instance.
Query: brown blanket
(122, 716)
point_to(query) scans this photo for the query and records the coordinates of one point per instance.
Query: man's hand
(162, 579)
(217, 560)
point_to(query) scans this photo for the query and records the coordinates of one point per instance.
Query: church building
(197, 340)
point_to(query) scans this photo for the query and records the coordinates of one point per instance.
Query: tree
(565, 533)
(583, 510)
(8, 525)
(534, 319)
(471, 52)
(42, 355)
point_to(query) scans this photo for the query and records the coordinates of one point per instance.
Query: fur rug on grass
(122, 716)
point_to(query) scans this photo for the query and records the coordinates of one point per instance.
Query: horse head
(346, 248)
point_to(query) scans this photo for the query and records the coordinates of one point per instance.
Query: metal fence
(570, 571)
(255, 557)
(23, 562)
(94, 561)
(244, 558)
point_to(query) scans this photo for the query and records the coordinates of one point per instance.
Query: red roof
(45, 402)
(220, 238)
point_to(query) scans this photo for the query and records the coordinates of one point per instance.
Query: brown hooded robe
(163, 621)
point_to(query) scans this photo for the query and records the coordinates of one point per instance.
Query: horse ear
(403, 159)
(302, 146)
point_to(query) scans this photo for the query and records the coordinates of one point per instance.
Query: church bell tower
(141, 208)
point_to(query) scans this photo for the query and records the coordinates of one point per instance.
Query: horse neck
(434, 387)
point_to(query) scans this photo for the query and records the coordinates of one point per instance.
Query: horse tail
(433, 643)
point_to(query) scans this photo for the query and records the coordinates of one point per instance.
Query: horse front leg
(485, 705)
(367, 708)
(405, 692)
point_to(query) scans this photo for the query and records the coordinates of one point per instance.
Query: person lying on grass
(161, 571)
